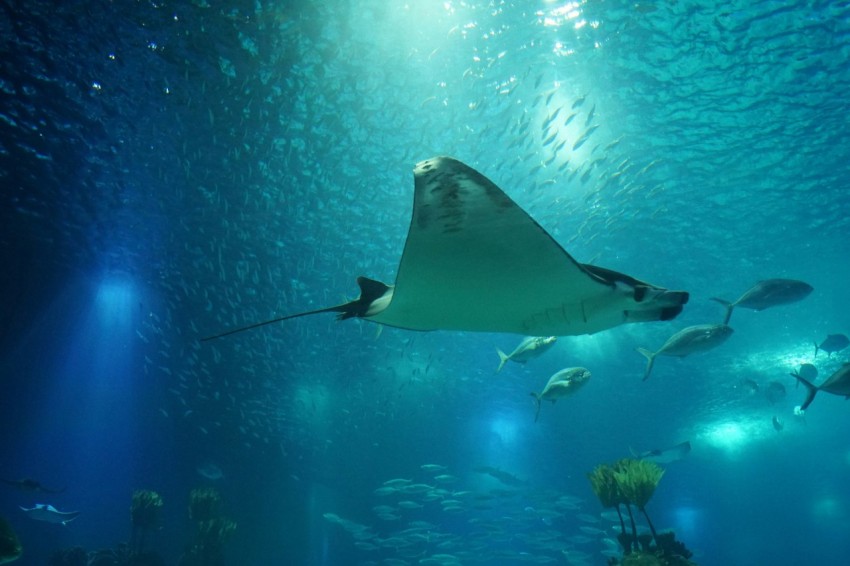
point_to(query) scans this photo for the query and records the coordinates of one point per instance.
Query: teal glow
(116, 295)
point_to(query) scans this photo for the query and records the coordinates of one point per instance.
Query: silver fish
(562, 384)
(687, 341)
(529, 348)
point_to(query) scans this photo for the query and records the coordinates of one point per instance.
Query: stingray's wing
(476, 261)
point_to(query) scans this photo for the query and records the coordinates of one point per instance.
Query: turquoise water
(172, 170)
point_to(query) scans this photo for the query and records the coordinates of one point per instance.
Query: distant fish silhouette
(833, 343)
(28, 484)
(777, 424)
(49, 514)
(766, 294)
(774, 391)
(501, 475)
(808, 371)
(838, 384)
(667, 455)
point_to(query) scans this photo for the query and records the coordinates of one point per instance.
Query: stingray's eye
(640, 293)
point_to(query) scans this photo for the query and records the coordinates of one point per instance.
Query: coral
(10, 546)
(671, 547)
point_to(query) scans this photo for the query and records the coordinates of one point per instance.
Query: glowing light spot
(505, 429)
(116, 295)
(827, 508)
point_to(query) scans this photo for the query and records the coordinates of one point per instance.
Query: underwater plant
(637, 480)
(144, 515)
(204, 503)
(212, 532)
(10, 546)
(605, 487)
(630, 482)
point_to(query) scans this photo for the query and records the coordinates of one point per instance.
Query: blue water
(174, 169)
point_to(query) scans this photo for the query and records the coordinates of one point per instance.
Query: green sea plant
(637, 480)
(605, 487)
(144, 516)
(212, 532)
(204, 504)
(10, 546)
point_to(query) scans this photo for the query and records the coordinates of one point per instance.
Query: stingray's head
(655, 303)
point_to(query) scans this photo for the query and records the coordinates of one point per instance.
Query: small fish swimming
(833, 343)
(778, 425)
(529, 348)
(768, 293)
(838, 384)
(562, 384)
(49, 514)
(690, 340)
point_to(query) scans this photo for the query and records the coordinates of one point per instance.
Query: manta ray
(50, 514)
(475, 261)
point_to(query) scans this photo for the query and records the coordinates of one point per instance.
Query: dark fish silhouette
(501, 475)
(808, 371)
(838, 384)
(28, 484)
(774, 391)
(833, 343)
(766, 294)
(475, 261)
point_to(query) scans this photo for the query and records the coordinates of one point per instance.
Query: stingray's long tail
(650, 360)
(729, 306)
(338, 308)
